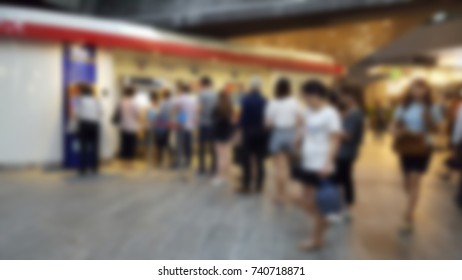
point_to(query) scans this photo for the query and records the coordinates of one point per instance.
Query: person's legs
(179, 149)
(202, 146)
(220, 158)
(211, 149)
(260, 170)
(413, 195)
(83, 152)
(162, 146)
(94, 149)
(280, 168)
(316, 240)
(345, 179)
(226, 161)
(246, 167)
(131, 149)
(188, 147)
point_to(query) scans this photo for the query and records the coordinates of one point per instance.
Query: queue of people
(311, 138)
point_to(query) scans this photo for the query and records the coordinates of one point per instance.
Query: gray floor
(52, 215)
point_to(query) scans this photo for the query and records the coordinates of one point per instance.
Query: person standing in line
(223, 130)
(414, 122)
(151, 119)
(379, 120)
(129, 126)
(283, 114)
(88, 113)
(253, 136)
(162, 128)
(319, 138)
(452, 103)
(351, 139)
(186, 109)
(456, 141)
(207, 102)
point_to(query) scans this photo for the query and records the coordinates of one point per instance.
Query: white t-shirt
(284, 112)
(188, 105)
(318, 128)
(88, 108)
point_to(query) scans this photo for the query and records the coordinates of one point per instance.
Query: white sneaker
(335, 218)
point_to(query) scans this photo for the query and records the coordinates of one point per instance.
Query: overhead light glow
(440, 16)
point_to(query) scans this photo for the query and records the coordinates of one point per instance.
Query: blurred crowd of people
(312, 135)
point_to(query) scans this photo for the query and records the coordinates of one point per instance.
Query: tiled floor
(154, 215)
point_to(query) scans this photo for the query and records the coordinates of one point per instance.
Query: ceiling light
(440, 16)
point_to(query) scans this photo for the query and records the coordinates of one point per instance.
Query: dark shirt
(252, 112)
(353, 125)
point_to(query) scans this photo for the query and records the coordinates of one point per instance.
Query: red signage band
(66, 34)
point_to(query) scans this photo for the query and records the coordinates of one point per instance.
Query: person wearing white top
(88, 113)
(282, 116)
(186, 107)
(318, 140)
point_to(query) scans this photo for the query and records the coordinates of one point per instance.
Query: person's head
(166, 94)
(154, 97)
(351, 96)
(419, 91)
(255, 84)
(85, 90)
(315, 93)
(183, 88)
(206, 82)
(282, 88)
(224, 104)
(129, 92)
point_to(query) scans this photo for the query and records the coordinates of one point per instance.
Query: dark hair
(166, 94)
(85, 89)
(154, 96)
(224, 106)
(353, 92)
(315, 87)
(183, 87)
(408, 97)
(282, 88)
(129, 91)
(206, 81)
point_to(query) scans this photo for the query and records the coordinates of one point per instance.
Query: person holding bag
(414, 122)
(319, 140)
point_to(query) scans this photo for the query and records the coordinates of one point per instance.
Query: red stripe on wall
(65, 34)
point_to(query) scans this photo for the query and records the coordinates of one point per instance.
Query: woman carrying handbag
(415, 120)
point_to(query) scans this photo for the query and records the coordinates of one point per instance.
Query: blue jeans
(183, 148)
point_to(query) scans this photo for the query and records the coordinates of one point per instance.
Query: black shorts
(417, 164)
(223, 135)
(310, 178)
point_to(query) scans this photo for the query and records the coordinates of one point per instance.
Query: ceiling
(347, 30)
(346, 42)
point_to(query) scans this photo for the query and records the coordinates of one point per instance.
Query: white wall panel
(108, 95)
(30, 102)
